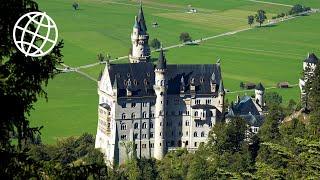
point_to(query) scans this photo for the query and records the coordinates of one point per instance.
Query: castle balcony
(202, 112)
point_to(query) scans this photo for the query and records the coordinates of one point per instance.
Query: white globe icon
(43, 37)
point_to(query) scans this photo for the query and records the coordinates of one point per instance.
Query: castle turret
(259, 92)
(221, 94)
(160, 90)
(140, 51)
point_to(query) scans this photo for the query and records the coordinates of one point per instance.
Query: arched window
(196, 113)
(136, 125)
(195, 134)
(123, 126)
(151, 125)
(202, 134)
(136, 136)
(144, 125)
(133, 116)
(210, 113)
(144, 115)
(123, 116)
(187, 123)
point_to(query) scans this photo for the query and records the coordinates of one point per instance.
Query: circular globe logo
(35, 34)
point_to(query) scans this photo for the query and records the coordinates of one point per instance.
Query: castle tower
(259, 92)
(160, 90)
(140, 51)
(221, 94)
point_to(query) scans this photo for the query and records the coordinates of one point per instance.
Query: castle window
(135, 146)
(187, 133)
(123, 137)
(152, 115)
(136, 125)
(144, 104)
(123, 116)
(144, 146)
(195, 134)
(123, 126)
(197, 124)
(198, 101)
(151, 135)
(144, 125)
(208, 101)
(160, 123)
(160, 134)
(124, 105)
(135, 136)
(151, 145)
(187, 123)
(201, 80)
(210, 113)
(133, 105)
(151, 125)
(195, 144)
(144, 136)
(196, 113)
(202, 134)
(144, 115)
(210, 125)
(179, 143)
(145, 81)
(128, 74)
(135, 82)
(180, 113)
(187, 143)
(133, 116)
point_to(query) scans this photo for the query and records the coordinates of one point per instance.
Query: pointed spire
(141, 19)
(182, 80)
(213, 77)
(162, 63)
(136, 24)
(260, 87)
(221, 87)
(115, 83)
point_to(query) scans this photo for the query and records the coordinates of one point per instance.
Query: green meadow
(268, 55)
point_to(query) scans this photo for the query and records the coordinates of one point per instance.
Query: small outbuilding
(250, 85)
(283, 85)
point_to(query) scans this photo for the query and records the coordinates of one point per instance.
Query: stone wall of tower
(140, 47)
(160, 120)
(259, 97)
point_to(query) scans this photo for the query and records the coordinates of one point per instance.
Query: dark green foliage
(260, 16)
(21, 82)
(250, 21)
(185, 37)
(298, 8)
(155, 43)
(75, 6)
(242, 85)
(273, 98)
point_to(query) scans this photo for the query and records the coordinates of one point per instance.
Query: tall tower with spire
(140, 51)
(160, 124)
(221, 94)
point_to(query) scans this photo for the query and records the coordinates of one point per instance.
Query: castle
(156, 108)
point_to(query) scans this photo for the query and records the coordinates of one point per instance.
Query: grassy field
(268, 55)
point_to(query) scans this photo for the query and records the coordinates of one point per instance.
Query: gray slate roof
(200, 73)
(244, 107)
(312, 58)
(247, 110)
(142, 76)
